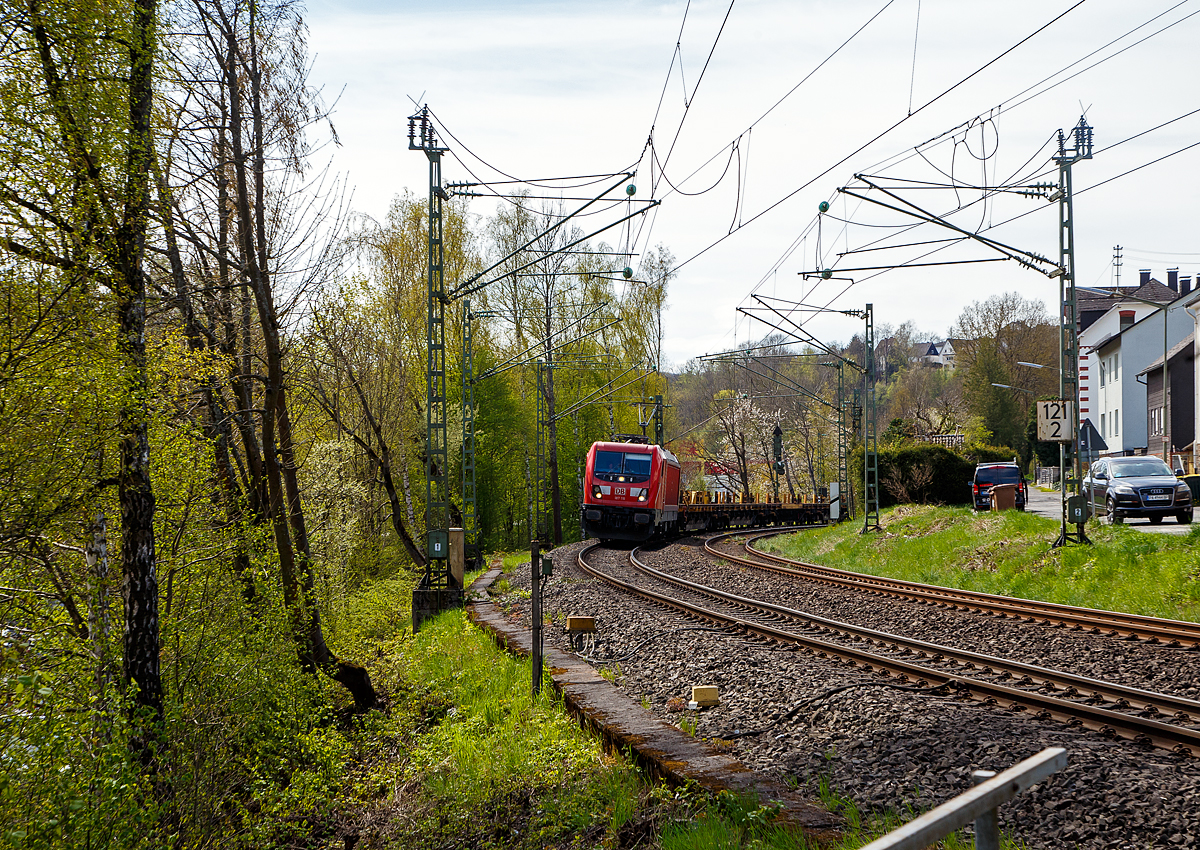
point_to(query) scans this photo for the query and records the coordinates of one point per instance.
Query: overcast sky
(540, 89)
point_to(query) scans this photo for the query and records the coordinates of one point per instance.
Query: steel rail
(1154, 630)
(1181, 707)
(1106, 721)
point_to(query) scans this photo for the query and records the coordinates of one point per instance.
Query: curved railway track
(1172, 634)
(1075, 700)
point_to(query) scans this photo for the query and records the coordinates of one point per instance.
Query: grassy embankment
(467, 758)
(463, 757)
(1010, 553)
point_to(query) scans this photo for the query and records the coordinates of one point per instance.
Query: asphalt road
(1049, 504)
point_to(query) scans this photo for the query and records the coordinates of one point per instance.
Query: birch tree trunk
(99, 618)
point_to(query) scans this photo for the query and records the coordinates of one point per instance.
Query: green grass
(862, 828)
(1010, 553)
(466, 757)
(512, 560)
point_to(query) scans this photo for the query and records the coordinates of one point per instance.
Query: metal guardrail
(978, 805)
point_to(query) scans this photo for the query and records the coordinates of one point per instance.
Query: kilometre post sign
(1054, 421)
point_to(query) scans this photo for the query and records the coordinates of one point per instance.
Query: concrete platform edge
(665, 751)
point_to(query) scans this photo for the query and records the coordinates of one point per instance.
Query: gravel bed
(1169, 671)
(887, 749)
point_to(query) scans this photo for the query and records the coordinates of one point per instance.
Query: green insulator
(826, 274)
(627, 272)
(631, 190)
(823, 206)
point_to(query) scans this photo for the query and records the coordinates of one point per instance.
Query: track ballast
(889, 748)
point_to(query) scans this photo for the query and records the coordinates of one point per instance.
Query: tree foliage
(997, 336)
(212, 402)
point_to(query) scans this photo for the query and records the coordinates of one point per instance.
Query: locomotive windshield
(623, 466)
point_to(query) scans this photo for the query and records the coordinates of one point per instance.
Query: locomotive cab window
(623, 466)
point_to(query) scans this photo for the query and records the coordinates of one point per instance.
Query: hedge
(927, 473)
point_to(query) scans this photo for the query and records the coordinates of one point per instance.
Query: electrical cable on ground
(936, 689)
(631, 653)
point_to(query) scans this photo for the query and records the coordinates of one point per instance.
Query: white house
(1113, 350)
(940, 354)
(1192, 306)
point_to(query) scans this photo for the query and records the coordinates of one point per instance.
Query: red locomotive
(631, 491)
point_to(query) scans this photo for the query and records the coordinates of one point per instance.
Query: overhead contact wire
(1008, 104)
(688, 103)
(885, 132)
(789, 93)
(678, 52)
(750, 128)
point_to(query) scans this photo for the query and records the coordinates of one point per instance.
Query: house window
(1102, 434)
(1116, 370)
(1116, 421)
(1103, 370)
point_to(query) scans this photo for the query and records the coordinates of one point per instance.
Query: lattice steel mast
(437, 578)
(1068, 371)
(870, 454)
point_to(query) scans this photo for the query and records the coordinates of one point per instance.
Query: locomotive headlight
(642, 495)
(595, 491)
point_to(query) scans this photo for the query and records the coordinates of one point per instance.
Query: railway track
(1108, 708)
(1172, 634)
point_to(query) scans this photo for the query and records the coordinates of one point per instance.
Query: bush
(976, 453)
(924, 473)
(67, 780)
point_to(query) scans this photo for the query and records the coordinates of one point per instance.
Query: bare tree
(545, 299)
(1014, 329)
(354, 380)
(243, 105)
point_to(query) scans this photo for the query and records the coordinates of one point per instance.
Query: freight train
(631, 491)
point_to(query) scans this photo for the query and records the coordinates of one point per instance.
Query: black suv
(1141, 486)
(988, 475)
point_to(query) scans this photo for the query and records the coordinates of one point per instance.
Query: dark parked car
(1123, 487)
(988, 475)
